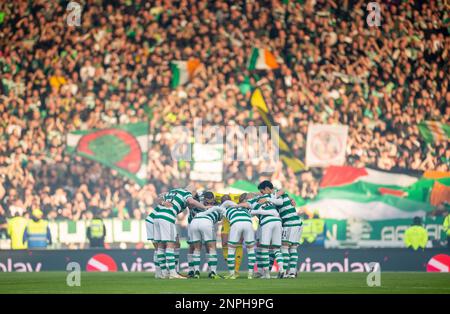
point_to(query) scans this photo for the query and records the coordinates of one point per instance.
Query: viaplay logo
(439, 263)
(104, 262)
(101, 262)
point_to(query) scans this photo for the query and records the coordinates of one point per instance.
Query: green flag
(434, 132)
(120, 147)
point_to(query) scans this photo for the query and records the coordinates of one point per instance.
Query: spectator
(416, 236)
(37, 233)
(96, 233)
(115, 68)
(16, 229)
(3, 223)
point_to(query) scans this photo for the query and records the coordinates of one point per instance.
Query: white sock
(196, 260)
(190, 262)
(265, 260)
(156, 262)
(293, 261)
(162, 261)
(212, 260)
(170, 258)
(177, 259)
(231, 260)
(286, 257)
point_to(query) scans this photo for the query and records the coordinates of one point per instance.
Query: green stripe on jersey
(266, 219)
(165, 213)
(178, 198)
(214, 216)
(263, 219)
(150, 217)
(193, 212)
(288, 213)
(235, 214)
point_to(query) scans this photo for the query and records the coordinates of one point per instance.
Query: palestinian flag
(121, 147)
(262, 59)
(372, 194)
(183, 71)
(434, 132)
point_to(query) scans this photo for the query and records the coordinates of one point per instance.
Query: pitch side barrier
(311, 260)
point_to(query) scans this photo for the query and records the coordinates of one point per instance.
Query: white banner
(326, 145)
(207, 162)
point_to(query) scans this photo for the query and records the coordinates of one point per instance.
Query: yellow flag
(257, 101)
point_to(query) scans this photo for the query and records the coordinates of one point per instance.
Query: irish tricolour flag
(371, 194)
(262, 59)
(434, 132)
(120, 147)
(183, 71)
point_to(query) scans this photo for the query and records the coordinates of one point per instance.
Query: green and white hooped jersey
(214, 215)
(264, 219)
(178, 198)
(150, 217)
(193, 212)
(288, 213)
(235, 214)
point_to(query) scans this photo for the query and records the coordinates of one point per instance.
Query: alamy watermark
(374, 277)
(253, 143)
(374, 16)
(74, 16)
(73, 278)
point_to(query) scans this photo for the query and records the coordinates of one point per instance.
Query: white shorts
(292, 234)
(200, 230)
(164, 231)
(271, 234)
(150, 231)
(241, 229)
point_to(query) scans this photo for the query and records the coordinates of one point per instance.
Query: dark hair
(417, 221)
(208, 195)
(226, 197)
(242, 197)
(265, 184)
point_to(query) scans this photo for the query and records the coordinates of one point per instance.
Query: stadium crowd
(115, 68)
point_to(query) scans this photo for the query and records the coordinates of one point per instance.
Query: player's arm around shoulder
(265, 212)
(276, 201)
(214, 209)
(162, 202)
(247, 205)
(195, 203)
(227, 204)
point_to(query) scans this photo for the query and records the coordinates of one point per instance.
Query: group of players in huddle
(277, 237)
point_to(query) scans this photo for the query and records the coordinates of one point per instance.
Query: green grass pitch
(391, 282)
